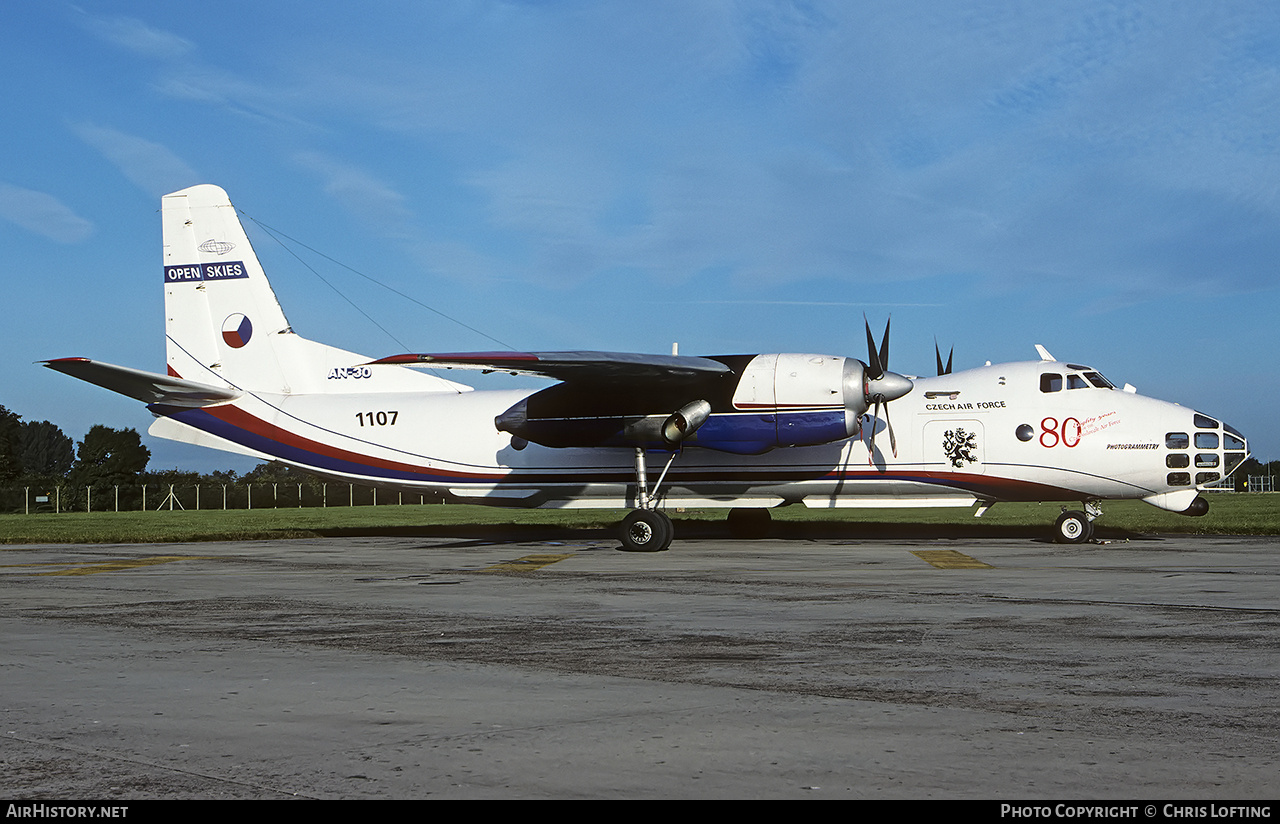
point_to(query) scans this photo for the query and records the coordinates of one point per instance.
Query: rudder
(220, 311)
(223, 319)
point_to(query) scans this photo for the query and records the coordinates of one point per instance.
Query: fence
(1236, 483)
(204, 496)
(1261, 483)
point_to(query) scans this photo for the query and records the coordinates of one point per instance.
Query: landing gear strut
(647, 529)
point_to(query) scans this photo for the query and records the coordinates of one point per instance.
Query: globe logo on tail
(236, 330)
(217, 247)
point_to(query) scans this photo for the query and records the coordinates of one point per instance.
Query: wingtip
(56, 364)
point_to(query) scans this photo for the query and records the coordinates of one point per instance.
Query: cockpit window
(1205, 422)
(1050, 382)
(1097, 380)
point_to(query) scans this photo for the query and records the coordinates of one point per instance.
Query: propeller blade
(893, 442)
(875, 367)
(938, 354)
(881, 385)
(871, 438)
(884, 346)
(871, 442)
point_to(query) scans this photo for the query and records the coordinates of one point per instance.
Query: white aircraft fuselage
(638, 431)
(987, 434)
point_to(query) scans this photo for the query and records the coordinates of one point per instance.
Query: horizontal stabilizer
(147, 387)
(572, 366)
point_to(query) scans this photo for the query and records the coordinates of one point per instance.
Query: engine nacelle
(790, 400)
(769, 401)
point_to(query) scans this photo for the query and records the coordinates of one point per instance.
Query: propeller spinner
(881, 386)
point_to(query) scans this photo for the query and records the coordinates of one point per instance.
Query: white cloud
(367, 198)
(136, 36)
(150, 166)
(43, 214)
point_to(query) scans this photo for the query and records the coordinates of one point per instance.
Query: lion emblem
(960, 446)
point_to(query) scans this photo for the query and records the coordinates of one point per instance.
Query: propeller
(938, 353)
(881, 385)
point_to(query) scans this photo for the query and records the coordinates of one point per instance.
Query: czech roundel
(236, 330)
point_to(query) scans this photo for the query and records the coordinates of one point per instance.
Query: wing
(574, 367)
(147, 387)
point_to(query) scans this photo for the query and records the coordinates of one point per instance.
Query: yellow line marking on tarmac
(529, 563)
(108, 566)
(949, 559)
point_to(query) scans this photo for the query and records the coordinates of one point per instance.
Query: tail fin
(223, 319)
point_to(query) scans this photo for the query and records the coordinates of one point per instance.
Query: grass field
(1229, 514)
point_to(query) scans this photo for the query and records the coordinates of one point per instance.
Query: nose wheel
(1075, 527)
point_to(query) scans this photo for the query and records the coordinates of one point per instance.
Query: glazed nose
(1213, 450)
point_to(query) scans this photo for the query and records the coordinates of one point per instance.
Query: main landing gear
(647, 529)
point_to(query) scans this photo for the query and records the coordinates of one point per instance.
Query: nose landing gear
(1075, 527)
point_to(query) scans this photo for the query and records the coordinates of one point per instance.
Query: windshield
(1097, 380)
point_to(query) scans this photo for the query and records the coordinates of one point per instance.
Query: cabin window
(1230, 441)
(1177, 440)
(1179, 479)
(1207, 477)
(1205, 422)
(1050, 382)
(1206, 440)
(1207, 459)
(1177, 460)
(1076, 382)
(1234, 459)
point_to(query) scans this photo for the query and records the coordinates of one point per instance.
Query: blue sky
(1102, 178)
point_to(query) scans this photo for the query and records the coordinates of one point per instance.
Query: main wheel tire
(646, 531)
(1073, 528)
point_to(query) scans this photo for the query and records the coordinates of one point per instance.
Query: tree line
(38, 460)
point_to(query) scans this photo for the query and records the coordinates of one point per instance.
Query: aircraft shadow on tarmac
(694, 529)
